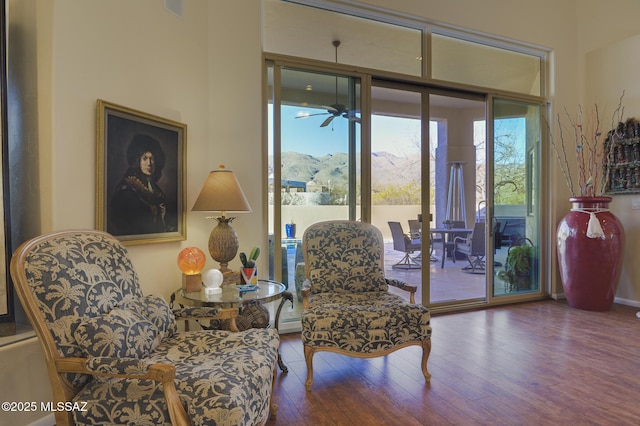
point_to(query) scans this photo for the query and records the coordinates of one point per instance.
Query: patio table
(443, 234)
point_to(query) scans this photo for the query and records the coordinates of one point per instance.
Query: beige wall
(138, 55)
(610, 71)
(205, 70)
(24, 379)
(380, 215)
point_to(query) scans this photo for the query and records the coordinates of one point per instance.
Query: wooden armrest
(403, 286)
(305, 293)
(157, 372)
(163, 373)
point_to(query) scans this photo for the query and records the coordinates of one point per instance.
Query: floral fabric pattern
(120, 333)
(344, 258)
(108, 365)
(89, 296)
(156, 310)
(75, 278)
(348, 280)
(355, 315)
(223, 378)
(363, 322)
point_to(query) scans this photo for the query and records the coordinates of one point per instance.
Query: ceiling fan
(336, 109)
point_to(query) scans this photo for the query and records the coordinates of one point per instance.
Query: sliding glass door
(467, 211)
(397, 176)
(456, 174)
(314, 163)
(458, 156)
(516, 197)
(428, 186)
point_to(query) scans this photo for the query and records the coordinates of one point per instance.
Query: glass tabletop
(231, 296)
(450, 230)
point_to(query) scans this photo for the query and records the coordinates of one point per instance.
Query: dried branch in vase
(588, 145)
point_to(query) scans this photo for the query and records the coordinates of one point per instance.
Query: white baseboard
(628, 302)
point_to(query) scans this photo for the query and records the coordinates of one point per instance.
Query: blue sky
(394, 135)
(398, 136)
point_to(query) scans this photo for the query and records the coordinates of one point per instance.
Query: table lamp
(212, 279)
(222, 193)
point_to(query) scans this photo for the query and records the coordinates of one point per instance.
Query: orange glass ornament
(191, 260)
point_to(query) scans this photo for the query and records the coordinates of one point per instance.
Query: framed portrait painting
(140, 194)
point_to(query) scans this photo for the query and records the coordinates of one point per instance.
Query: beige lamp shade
(221, 193)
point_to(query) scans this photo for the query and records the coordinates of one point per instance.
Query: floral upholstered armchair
(117, 354)
(347, 306)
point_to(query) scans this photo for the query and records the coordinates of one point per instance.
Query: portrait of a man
(142, 191)
(138, 204)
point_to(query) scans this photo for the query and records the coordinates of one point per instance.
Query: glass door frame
(543, 227)
(366, 76)
(276, 65)
(445, 306)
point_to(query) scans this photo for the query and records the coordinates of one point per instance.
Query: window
(460, 61)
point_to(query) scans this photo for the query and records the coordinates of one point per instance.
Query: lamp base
(191, 283)
(223, 243)
(231, 278)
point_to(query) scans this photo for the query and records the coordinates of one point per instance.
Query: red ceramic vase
(590, 267)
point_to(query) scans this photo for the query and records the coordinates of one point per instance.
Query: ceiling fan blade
(356, 119)
(311, 115)
(331, 109)
(327, 121)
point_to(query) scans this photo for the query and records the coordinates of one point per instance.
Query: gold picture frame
(141, 169)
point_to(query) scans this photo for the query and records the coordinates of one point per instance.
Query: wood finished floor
(527, 364)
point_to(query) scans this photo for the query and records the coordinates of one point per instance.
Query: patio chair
(415, 228)
(434, 239)
(117, 354)
(347, 308)
(449, 243)
(473, 248)
(403, 242)
(415, 233)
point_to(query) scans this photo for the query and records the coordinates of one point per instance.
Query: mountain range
(386, 169)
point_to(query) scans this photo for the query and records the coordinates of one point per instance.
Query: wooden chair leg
(273, 407)
(426, 351)
(308, 357)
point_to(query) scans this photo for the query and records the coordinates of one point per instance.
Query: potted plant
(519, 267)
(249, 270)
